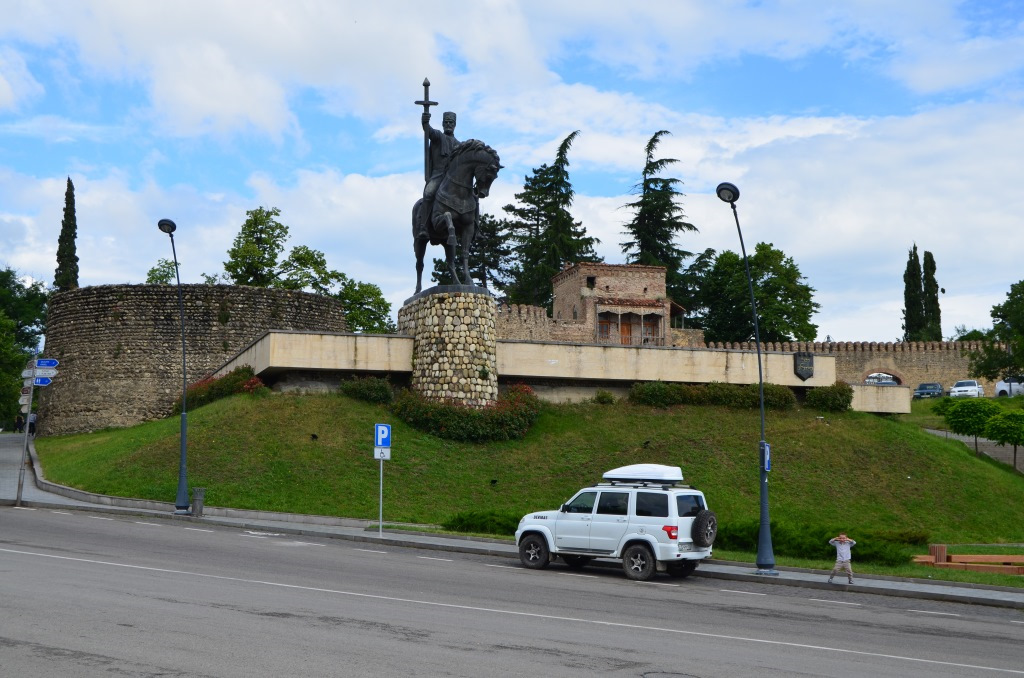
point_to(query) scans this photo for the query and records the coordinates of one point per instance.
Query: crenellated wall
(119, 346)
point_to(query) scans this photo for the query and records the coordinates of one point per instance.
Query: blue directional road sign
(47, 362)
(42, 381)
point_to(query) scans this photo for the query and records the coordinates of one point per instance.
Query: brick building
(618, 304)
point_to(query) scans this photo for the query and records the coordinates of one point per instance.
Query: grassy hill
(854, 470)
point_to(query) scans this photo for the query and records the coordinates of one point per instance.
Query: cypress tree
(65, 277)
(932, 313)
(913, 299)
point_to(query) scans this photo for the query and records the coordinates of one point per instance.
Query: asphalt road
(86, 594)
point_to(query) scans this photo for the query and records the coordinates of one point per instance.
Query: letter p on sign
(382, 435)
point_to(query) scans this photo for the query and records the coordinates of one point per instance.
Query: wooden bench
(983, 567)
(997, 558)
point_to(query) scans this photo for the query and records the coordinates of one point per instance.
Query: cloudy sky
(854, 130)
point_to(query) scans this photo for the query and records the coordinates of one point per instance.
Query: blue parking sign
(382, 435)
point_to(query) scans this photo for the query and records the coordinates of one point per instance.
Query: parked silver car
(967, 388)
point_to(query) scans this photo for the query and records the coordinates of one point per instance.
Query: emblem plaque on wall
(803, 365)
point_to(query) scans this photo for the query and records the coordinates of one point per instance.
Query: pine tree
(65, 277)
(913, 299)
(545, 236)
(932, 313)
(658, 219)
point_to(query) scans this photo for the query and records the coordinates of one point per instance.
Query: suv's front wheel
(533, 552)
(638, 563)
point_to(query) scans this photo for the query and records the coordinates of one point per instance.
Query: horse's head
(486, 172)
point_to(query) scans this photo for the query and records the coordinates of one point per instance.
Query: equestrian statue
(457, 175)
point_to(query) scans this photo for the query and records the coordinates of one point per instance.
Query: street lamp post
(181, 503)
(765, 558)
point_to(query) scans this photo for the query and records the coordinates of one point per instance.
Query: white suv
(643, 515)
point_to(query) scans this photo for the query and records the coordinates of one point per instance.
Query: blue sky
(853, 129)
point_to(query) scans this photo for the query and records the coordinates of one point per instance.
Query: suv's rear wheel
(683, 569)
(533, 552)
(705, 528)
(576, 562)
(638, 563)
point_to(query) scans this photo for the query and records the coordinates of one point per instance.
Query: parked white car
(967, 388)
(642, 516)
(1010, 386)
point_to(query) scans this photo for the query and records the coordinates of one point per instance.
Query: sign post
(382, 451)
(37, 372)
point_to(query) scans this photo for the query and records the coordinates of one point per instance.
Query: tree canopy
(255, 257)
(65, 277)
(12, 361)
(366, 309)
(785, 303)
(922, 318)
(657, 219)
(25, 304)
(545, 237)
(970, 416)
(1007, 428)
(162, 274)
(1006, 357)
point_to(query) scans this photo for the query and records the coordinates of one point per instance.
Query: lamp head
(167, 226)
(728, 192)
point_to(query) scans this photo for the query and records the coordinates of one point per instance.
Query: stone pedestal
(454, 344)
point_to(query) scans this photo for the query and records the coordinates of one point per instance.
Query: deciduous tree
(25, 304)
(1003, 355)
(785, 303)
(161, 274)
(1007, 428)
(970, 416)
(254, 257)
(366, 309)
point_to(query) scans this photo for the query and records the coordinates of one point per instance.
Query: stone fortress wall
(119, 346)
(911, 363)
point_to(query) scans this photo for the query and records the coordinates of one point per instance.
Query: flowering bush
(509, 418)
(208, 389)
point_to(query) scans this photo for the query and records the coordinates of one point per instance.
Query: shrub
(484, 522)
(604, 398)
(810, 541)
(209, 389)
(943, 405)
(369, 389)
(834, 398)
(509, 418)
(778, 397)
(652, 393)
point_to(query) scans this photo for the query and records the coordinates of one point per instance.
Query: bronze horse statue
(452, 221)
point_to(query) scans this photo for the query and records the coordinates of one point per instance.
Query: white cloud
(16, 82)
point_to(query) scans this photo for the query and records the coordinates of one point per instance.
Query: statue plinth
(454, 343)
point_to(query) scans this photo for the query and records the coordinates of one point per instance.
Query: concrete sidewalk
(38, 492)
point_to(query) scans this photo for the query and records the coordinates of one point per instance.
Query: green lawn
(857, 470)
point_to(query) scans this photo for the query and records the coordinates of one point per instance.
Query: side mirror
(564, 508)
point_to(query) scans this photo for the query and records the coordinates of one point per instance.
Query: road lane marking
(61, 513)
(518, 613)
(947, 614)
(253, 536)
(746, 593)
(100, 518)
(139, 522)
(370, 551)
(444, 560)
(835, 602)
(24, 508)
(576, 574)
(197, 529)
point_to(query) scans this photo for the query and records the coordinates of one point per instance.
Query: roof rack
(657, 474)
